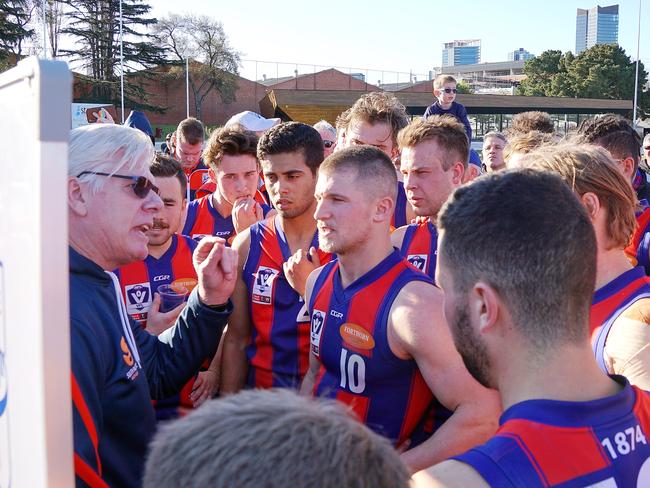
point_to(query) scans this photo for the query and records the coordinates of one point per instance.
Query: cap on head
(252, 121)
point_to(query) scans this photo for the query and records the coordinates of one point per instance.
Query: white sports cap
(252, 121)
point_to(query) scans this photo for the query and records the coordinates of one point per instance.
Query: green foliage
(93, 25)
(463, 87)
(603, 71)
(214, 64)
(14, 19)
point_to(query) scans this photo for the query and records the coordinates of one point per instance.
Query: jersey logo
(357, 337)
(303, 314)
(161, 278)
(317, 321)
(138, 298)
(418, 260)
(127, 357)
(263, 285)
(187, 283)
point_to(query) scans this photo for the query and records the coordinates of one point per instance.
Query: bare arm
(417, 330)
(397, 237)
(234, 366)
(448, 474)
(309, 380)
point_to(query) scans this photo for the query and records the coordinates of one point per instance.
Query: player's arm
(234, 366)
(397, 237)
(309, 380)
(448, 474)
(628, 344)
(417, 330)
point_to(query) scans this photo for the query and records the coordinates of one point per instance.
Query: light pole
(636, 77)
(121, 63)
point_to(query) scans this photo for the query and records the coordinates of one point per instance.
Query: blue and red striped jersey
(278, 354)
(140, 280)
(610, 301)
(639, 248)
(205, 220)
(543, 443)
(349, 338)
(196, 178)
(420, 247)
(399, 215)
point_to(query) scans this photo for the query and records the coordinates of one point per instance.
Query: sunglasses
(449, 90)
(328, 144)
(141, 186)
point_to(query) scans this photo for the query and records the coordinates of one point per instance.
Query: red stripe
(642, 222)
(601, 311)
(642, 409)
(80, 404)
(204, 222)
(419, 399)
(550, 446)
(359, 404)
(263, 315)
(87, 474)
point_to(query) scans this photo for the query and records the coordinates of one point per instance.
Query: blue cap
(138, 120)
(474, 158)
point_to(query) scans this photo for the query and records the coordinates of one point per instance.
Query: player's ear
(458, 172)
(591, 203)
(486, 306)
(77, 197)
(384, 209)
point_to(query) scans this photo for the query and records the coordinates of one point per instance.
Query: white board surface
(35, 404)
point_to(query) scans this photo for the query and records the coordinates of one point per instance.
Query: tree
(603, 71)
(463, 87)
(214, 65)
(94, 26)
(15, 16)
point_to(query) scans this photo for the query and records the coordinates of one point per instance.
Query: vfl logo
(138, 298)
(263, 285)
(317, 322)
(418, 260)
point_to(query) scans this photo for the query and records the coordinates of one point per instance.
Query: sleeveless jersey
(278, 353)
(541, 443)
(205, 220)
(399, 215)
(420, 247)
(639, 248)
(349, 338)
(609, 302)
(196, 178)
(140, 280)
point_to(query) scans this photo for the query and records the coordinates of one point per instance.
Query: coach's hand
(245, 212)
(216, 267)
(298, 267)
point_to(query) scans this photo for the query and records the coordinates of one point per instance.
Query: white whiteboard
(36, 421)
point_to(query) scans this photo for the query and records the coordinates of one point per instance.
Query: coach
(116, 366)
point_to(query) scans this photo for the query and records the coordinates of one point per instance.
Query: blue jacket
(456, 109)
(138, 120)
(117, 368)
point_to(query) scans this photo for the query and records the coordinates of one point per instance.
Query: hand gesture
(205, 386)
(245, 213)
(157, 321)
(216, 268)
(298, 267)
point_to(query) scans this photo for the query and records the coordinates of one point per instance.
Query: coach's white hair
(325, 126)
(108, 148)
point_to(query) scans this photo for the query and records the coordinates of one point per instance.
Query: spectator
(328, 134)
(445, 89)
(272, 439)
(117, 366)
(138, 120)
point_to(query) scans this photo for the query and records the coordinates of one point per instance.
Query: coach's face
(115, 220)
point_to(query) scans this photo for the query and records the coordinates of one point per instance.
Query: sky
(397, 36)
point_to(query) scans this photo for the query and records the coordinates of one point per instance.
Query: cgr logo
(161, 278)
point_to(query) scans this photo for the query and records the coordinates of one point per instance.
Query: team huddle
(493, 328)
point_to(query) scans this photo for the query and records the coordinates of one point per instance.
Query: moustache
(160, 224)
